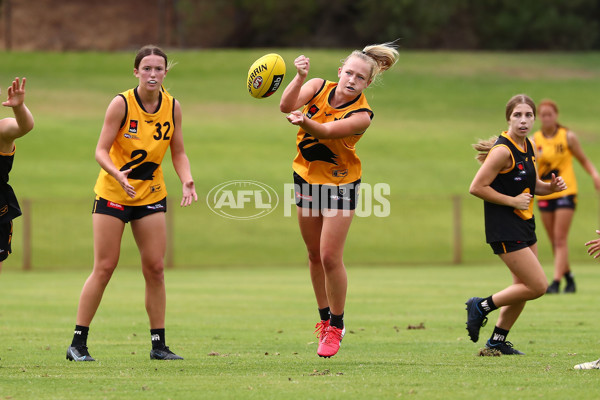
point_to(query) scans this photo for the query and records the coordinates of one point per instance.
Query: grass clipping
(485, 352)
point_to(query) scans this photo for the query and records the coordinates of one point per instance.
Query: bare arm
(22, 123)
(297, 93)
(353, 125)
(499, 159)
(181, 162)
(577, 151)
(112, 122)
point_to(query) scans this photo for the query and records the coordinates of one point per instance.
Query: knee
(103, 271)
(314, 257)
(330, 260)
(538, 289)
(559, 241)
(154, 271)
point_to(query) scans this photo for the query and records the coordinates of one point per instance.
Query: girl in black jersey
(507, 181)
(11, 129)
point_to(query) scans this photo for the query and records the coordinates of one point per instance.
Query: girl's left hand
(16, 93)
(189, 194)
(594, 247)
(296, 117)
(557, 184)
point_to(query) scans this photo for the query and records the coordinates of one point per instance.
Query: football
(266, 75)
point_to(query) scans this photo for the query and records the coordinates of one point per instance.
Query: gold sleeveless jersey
(140, 144)
(329, 161)
(554, 156)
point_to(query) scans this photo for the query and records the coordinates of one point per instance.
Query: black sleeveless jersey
(504, 223)
(9, 206)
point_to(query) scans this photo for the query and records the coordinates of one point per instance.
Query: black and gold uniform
(9, 206)
(328, 165)
(140, 144)
(506, 228)
(555, 157)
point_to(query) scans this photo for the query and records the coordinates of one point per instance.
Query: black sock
(158, 338)
(499, 335)
(80, 336)
(487, 305)
(337, 321)
(569, 277)
(324, 314)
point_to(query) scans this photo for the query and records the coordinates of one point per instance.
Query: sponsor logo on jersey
(521, 168)
(133, 126)
(312, 111)
(155, 188)
(115, 205)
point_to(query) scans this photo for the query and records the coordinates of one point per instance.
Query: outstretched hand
(295, 117)
(594, 246)
(189, 194)
(16, 93)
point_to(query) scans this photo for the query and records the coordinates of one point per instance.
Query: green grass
(428, 110)
(260, 322)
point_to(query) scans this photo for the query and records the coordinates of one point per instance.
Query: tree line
(418, 24)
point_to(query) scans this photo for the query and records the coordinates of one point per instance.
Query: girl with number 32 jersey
(139, 126)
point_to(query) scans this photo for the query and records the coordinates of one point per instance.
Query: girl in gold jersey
(327, 172)
(140, 124)
(556, 146)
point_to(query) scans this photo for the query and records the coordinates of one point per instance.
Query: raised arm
(22, 123)
(296, 94)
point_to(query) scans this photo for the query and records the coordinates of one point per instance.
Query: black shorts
(561, 202)
(510, 246)
(5, 239)
(127, 213)
(319, 197)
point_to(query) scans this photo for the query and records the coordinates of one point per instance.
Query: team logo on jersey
(133, 126)
(312, 150)
(312, 111)
(339, 173)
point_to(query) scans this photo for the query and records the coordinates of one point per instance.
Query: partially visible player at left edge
(11, 129)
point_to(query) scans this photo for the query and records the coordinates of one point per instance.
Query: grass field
(239, 288)
(428, 110)
(247, 334)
